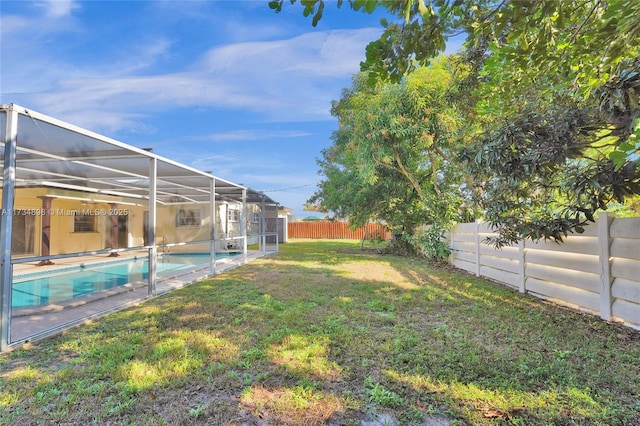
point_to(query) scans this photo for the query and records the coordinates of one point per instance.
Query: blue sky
(229, 87)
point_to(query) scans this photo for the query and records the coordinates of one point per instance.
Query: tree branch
(408, 175)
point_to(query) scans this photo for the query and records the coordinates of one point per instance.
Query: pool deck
(34, 323)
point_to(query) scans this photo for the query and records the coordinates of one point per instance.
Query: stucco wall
(65, 204)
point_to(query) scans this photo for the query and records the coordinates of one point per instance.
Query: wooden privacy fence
(336, 230)
(597, 271)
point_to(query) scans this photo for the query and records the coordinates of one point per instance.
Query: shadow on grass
(318, 336)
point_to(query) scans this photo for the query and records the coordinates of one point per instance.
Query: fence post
(477, 247)
(452, 252)
(604, 222)
(521, 267)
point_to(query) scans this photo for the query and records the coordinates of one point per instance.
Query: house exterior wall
(171, 224)
(169, 230)
(63, 238)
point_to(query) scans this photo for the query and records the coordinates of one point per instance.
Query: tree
(391, 157)
(547, 162)
(546, 172)
(554, 88)
(588, 37)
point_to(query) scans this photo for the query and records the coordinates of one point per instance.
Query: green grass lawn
(323, 333)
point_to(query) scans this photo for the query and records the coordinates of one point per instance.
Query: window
(84, 222)
(188, 217)
(22, 239)
(233, 215)
(255, 217)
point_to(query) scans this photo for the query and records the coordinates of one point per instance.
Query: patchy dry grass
(322, 333)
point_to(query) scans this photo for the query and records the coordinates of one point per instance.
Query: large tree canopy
(554, 89)
(390, 157)
(587, 37)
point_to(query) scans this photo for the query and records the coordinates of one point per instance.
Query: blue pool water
(54, 287)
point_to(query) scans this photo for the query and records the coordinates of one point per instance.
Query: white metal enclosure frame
(40, 151)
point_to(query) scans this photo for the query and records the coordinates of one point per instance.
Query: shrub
(430, 242)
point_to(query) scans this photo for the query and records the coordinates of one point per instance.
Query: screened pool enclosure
(74, 199)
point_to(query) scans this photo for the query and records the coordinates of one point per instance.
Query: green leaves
(545, 114)
(366, 5)
(547, 169)
(313, 8)
(627, 152)
(591, 37)
(390, 156)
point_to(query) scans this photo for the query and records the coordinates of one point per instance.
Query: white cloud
(296, 78)
(55, 16)
(334, 53)
(119, 102)
(59, 8)
(28, 65)
(136, 57)
(253, 135)
(291, 79)
(59, 62)
(234, 165)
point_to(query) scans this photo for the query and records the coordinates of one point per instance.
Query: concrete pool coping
(34, 323)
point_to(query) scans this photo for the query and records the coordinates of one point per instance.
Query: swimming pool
(68, 283)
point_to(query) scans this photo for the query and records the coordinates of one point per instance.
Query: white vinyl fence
(597, 271)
